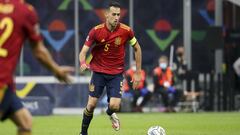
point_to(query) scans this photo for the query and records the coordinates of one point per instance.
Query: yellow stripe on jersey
(6, 8)
(125, 27)
(99, 26)
(2, 93)
(133, 41)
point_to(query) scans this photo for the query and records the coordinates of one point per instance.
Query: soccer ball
(156, 130)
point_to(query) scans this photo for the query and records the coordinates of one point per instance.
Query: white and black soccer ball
(156, 130)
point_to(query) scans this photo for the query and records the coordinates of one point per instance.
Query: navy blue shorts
(10, 103)
(113, 84)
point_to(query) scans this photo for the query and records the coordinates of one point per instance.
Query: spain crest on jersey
(118, 41)
(91, 87)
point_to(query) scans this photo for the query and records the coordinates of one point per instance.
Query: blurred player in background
(18, 22)
(110, 40)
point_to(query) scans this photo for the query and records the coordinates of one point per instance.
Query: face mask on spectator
(163, 65)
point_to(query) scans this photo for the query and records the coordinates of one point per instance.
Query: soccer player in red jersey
(18, 22)
(109, 41)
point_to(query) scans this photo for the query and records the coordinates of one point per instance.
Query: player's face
(113, 16)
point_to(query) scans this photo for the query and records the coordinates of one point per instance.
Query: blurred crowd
(164, 87)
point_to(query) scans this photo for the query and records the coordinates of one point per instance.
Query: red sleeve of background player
(90, 38)
(31, 25)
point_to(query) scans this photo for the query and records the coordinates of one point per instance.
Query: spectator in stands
(141, 92)
(181, 72)
(179, 68)
(163, 79)
(180, 63)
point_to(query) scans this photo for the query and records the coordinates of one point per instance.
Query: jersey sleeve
(90, 38)
(31, 25)
(132, 38)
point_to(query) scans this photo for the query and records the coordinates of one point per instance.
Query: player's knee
(114, 107)
(26, 125)
(91, 107)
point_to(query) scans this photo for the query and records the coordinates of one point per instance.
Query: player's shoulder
(29, 12)
(99, 26)
(24, 8)
(29, 8)
(125, 27)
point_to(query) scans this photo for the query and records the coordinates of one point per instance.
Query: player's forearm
(43, 55)
(83, 53)
(82, 57)
(138, 56)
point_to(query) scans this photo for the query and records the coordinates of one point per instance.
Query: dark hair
(114, 3)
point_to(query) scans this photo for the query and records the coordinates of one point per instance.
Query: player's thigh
(115, 102)
(10, 103)
(96, 85)
(115, 86)
(92, 101)
(22, 118)
(2, 104)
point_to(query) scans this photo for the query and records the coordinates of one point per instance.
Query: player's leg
(11, 107)
(88, 114)
(2, 95)
(1, 99)
(114, 92)
(96, 87)
(23, 120)
(114, 106)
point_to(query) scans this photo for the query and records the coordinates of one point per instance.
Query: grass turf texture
(137, 124)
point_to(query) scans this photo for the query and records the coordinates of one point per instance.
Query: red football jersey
(18, 22)
(109, 48)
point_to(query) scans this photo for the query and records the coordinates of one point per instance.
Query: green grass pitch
(137, 124)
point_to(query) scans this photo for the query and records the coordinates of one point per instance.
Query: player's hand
(136, 79)
(83, 67)
(63, 74)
